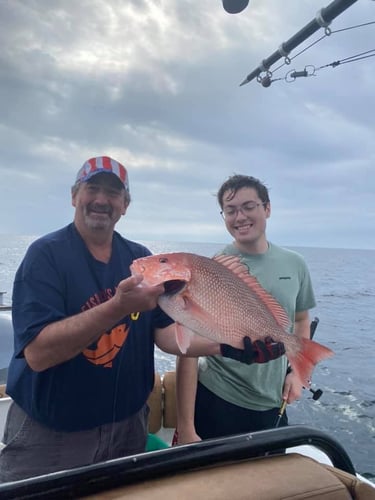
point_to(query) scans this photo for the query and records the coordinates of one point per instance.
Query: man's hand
(132, 295)
(254, 352)
(292, 387)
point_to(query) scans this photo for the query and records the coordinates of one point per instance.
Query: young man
(220, 396)
(83, 365)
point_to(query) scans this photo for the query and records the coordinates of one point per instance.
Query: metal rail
(92, 479)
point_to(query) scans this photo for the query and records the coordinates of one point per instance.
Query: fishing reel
(316, 393)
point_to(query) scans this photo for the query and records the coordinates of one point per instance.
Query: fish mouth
(172, 287)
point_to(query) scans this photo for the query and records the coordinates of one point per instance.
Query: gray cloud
(155, 84)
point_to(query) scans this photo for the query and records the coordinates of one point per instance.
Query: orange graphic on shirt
(107, 347)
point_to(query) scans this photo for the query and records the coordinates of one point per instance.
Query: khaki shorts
(31, 449)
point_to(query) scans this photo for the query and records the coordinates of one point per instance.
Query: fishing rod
(322, 20)
(316, 393)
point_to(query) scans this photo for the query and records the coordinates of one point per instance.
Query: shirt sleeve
(37, 296)
(161, 319)
(305, 298)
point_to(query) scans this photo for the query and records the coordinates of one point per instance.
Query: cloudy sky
(155, 84)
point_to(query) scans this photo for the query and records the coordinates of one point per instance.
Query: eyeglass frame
(242, 208)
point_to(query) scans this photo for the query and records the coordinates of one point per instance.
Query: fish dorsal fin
(234, 264)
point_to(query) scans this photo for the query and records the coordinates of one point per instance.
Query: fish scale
(236, 319)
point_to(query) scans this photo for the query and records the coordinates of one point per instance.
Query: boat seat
(3, 394)
(292, 476)
(162, 403)
(278, 477)
(155, 403)
(169, 407)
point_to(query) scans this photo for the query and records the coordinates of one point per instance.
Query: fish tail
(309, 354)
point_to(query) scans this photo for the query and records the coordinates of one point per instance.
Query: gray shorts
(32, 449)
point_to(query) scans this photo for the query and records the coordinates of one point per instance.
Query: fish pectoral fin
(200, 318)
(183, 337)
(193, 308)
(185, 303)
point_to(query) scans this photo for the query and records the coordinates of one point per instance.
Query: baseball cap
(103, 164)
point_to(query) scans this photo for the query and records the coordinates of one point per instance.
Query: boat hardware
(91, 479)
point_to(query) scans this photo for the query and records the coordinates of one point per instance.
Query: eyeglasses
(246, 209)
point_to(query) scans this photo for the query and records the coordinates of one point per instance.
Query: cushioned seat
(291, 476)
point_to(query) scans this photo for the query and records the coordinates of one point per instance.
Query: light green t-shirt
(284, 274)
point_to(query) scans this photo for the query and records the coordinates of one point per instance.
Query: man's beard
(99, 223)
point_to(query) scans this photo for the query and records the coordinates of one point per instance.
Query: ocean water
(344, 284)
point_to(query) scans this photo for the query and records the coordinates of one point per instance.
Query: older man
(83, 365)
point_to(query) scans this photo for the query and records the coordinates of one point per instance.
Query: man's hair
(236, 182)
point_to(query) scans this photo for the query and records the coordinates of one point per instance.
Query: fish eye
(163, 260)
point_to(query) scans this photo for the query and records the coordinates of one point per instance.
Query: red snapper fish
(218, 299)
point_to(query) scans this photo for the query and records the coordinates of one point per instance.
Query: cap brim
(91, 175)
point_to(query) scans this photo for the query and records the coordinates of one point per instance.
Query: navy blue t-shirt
(112, 378)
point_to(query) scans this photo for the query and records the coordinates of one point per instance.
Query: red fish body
(218, 299)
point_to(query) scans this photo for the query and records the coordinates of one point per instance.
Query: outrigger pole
(321, 20)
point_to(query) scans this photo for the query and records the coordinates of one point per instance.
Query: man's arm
(186, 390)
(63, 340)
(187, 370)
(253, 352)
(292, 387)
(302, 324)
(165, 339)
(186, 377)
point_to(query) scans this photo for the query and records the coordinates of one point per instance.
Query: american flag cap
(102, 164)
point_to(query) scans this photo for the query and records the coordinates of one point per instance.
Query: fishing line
(100, 284)
(357, 57)
(299, 53)
(316, 393)
(326, 34)
(353, 27)
(311, 70)
(267, 79)
(132, 317)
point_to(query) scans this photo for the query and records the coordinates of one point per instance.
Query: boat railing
(3, 306)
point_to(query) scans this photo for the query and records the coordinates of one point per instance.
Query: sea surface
(344, 283)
